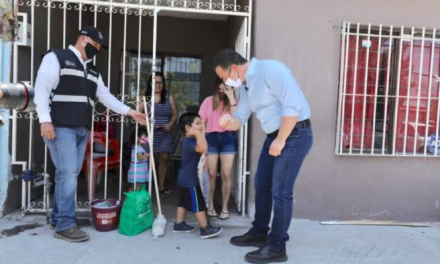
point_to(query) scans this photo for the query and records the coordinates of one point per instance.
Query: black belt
(299, 124)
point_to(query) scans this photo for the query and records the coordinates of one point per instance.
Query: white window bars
(388, 92)
(225, 7)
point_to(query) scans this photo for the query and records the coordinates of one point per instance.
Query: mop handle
(153, 165)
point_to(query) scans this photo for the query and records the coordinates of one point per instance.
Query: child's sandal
(212, 212)
(224, 215)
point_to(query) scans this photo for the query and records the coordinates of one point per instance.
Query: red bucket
(106, 218)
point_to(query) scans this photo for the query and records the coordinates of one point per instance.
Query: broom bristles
(159, 225)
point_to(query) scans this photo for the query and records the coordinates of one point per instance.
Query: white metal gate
(142, 9)
(239, 180)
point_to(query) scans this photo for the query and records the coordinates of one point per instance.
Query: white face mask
(232, 83)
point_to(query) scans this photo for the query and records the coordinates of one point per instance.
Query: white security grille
(388, 92)
(103, 118)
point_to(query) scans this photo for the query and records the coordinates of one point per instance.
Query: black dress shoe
(265, 255)
(248, 240)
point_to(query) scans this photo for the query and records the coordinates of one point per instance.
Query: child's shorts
(192, 199)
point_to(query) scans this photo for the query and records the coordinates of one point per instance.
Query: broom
(159, 224)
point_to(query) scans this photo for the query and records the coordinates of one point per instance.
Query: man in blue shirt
(268, 89)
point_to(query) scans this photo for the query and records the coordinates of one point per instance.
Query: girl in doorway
(222, 144)
(139, 160)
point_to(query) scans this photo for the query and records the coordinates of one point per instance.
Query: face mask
(232, 83)
(222, 96)
(90, 50)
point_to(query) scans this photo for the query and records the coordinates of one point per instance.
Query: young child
(139, 160)
(191, 198)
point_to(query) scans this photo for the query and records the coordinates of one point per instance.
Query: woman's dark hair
(226, 57)
(163, 94)
(187, 119)
(216, 98)
(141, 131)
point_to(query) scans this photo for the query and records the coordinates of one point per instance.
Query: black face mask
(90, 50)
(222, 96)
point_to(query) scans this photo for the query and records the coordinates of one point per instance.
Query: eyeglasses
(158, 83)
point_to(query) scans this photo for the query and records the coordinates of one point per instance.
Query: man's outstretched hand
(138, 116)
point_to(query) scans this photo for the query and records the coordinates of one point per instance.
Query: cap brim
(105, 46)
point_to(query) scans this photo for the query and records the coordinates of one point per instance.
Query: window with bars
(183, 76)
(388, 92)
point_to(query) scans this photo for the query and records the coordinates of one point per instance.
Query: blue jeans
(67, 152)
(274, 183)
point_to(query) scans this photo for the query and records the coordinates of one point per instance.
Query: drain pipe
(5, 158)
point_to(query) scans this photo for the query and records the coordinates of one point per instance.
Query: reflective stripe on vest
(72, 99)
(71, 72)
(92, 78)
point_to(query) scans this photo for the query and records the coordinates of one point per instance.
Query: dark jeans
(274, 183)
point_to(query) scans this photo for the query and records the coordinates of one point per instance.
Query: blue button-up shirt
(271, 92)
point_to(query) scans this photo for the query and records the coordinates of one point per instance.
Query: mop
(159, 224)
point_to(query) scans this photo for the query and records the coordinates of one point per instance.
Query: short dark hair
(187, 119)
(226, 57)
(141, 131)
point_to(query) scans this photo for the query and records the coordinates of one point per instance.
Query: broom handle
(153, 165)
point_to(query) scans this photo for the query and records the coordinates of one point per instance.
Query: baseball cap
(94, 34)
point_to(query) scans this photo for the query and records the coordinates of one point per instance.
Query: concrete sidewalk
(309, 243)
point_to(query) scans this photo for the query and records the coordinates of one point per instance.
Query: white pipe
(240, 173)
(438, 124)
(92, 133)
(31, 120)
(354, 89)
(364, 106)
(396, 109)
(405, 138)
(64, 23)
(341, 140)
(80, 16)
(137, 94)
(341, 85)
(387, 90)
(428, 114)
(92, 139)
(245, 172)
(418, 95)
(379, 49)
(122, 100)
(152, 102)
(248, 40)
(108, 110)
(48, 48)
